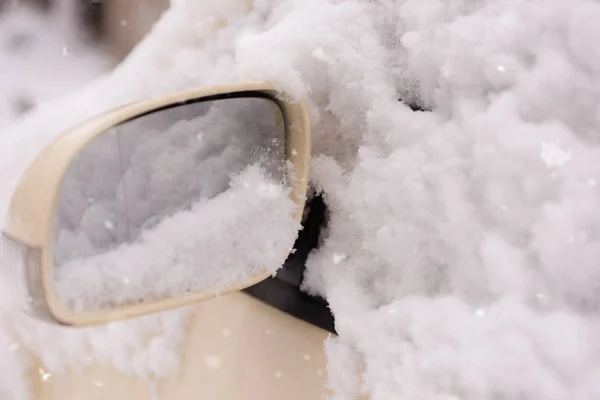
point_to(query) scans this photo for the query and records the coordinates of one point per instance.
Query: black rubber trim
(221, 96)
(283, 290)
(289, 299)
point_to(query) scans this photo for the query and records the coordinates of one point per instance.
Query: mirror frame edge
(30, 216)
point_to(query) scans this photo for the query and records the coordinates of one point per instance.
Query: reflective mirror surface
(155, 206)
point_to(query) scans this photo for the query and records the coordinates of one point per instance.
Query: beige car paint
(265, 354)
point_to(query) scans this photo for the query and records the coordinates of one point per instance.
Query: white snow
(476, 223)
(13, 380)
(213, 362)
(205, 249)
(42, 56)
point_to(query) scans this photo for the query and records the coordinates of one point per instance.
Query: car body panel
(237, 347)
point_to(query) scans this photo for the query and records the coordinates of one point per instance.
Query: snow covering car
(460, 256)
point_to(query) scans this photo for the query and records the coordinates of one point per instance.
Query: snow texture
(43, 55)
(462, 251)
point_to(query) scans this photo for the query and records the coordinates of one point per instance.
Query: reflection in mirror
(161, 205)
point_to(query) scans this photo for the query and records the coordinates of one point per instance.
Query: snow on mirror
(160, 205)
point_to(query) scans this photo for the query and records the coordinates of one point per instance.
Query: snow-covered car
(455, 145)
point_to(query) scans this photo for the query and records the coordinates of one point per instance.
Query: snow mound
(186, 252)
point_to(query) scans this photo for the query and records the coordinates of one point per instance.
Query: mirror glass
(187, 198)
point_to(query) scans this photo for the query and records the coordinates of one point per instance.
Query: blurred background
(50, 47)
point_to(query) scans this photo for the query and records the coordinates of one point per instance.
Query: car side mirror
(147, 207)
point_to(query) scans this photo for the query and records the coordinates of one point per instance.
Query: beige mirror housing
(27, 243)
